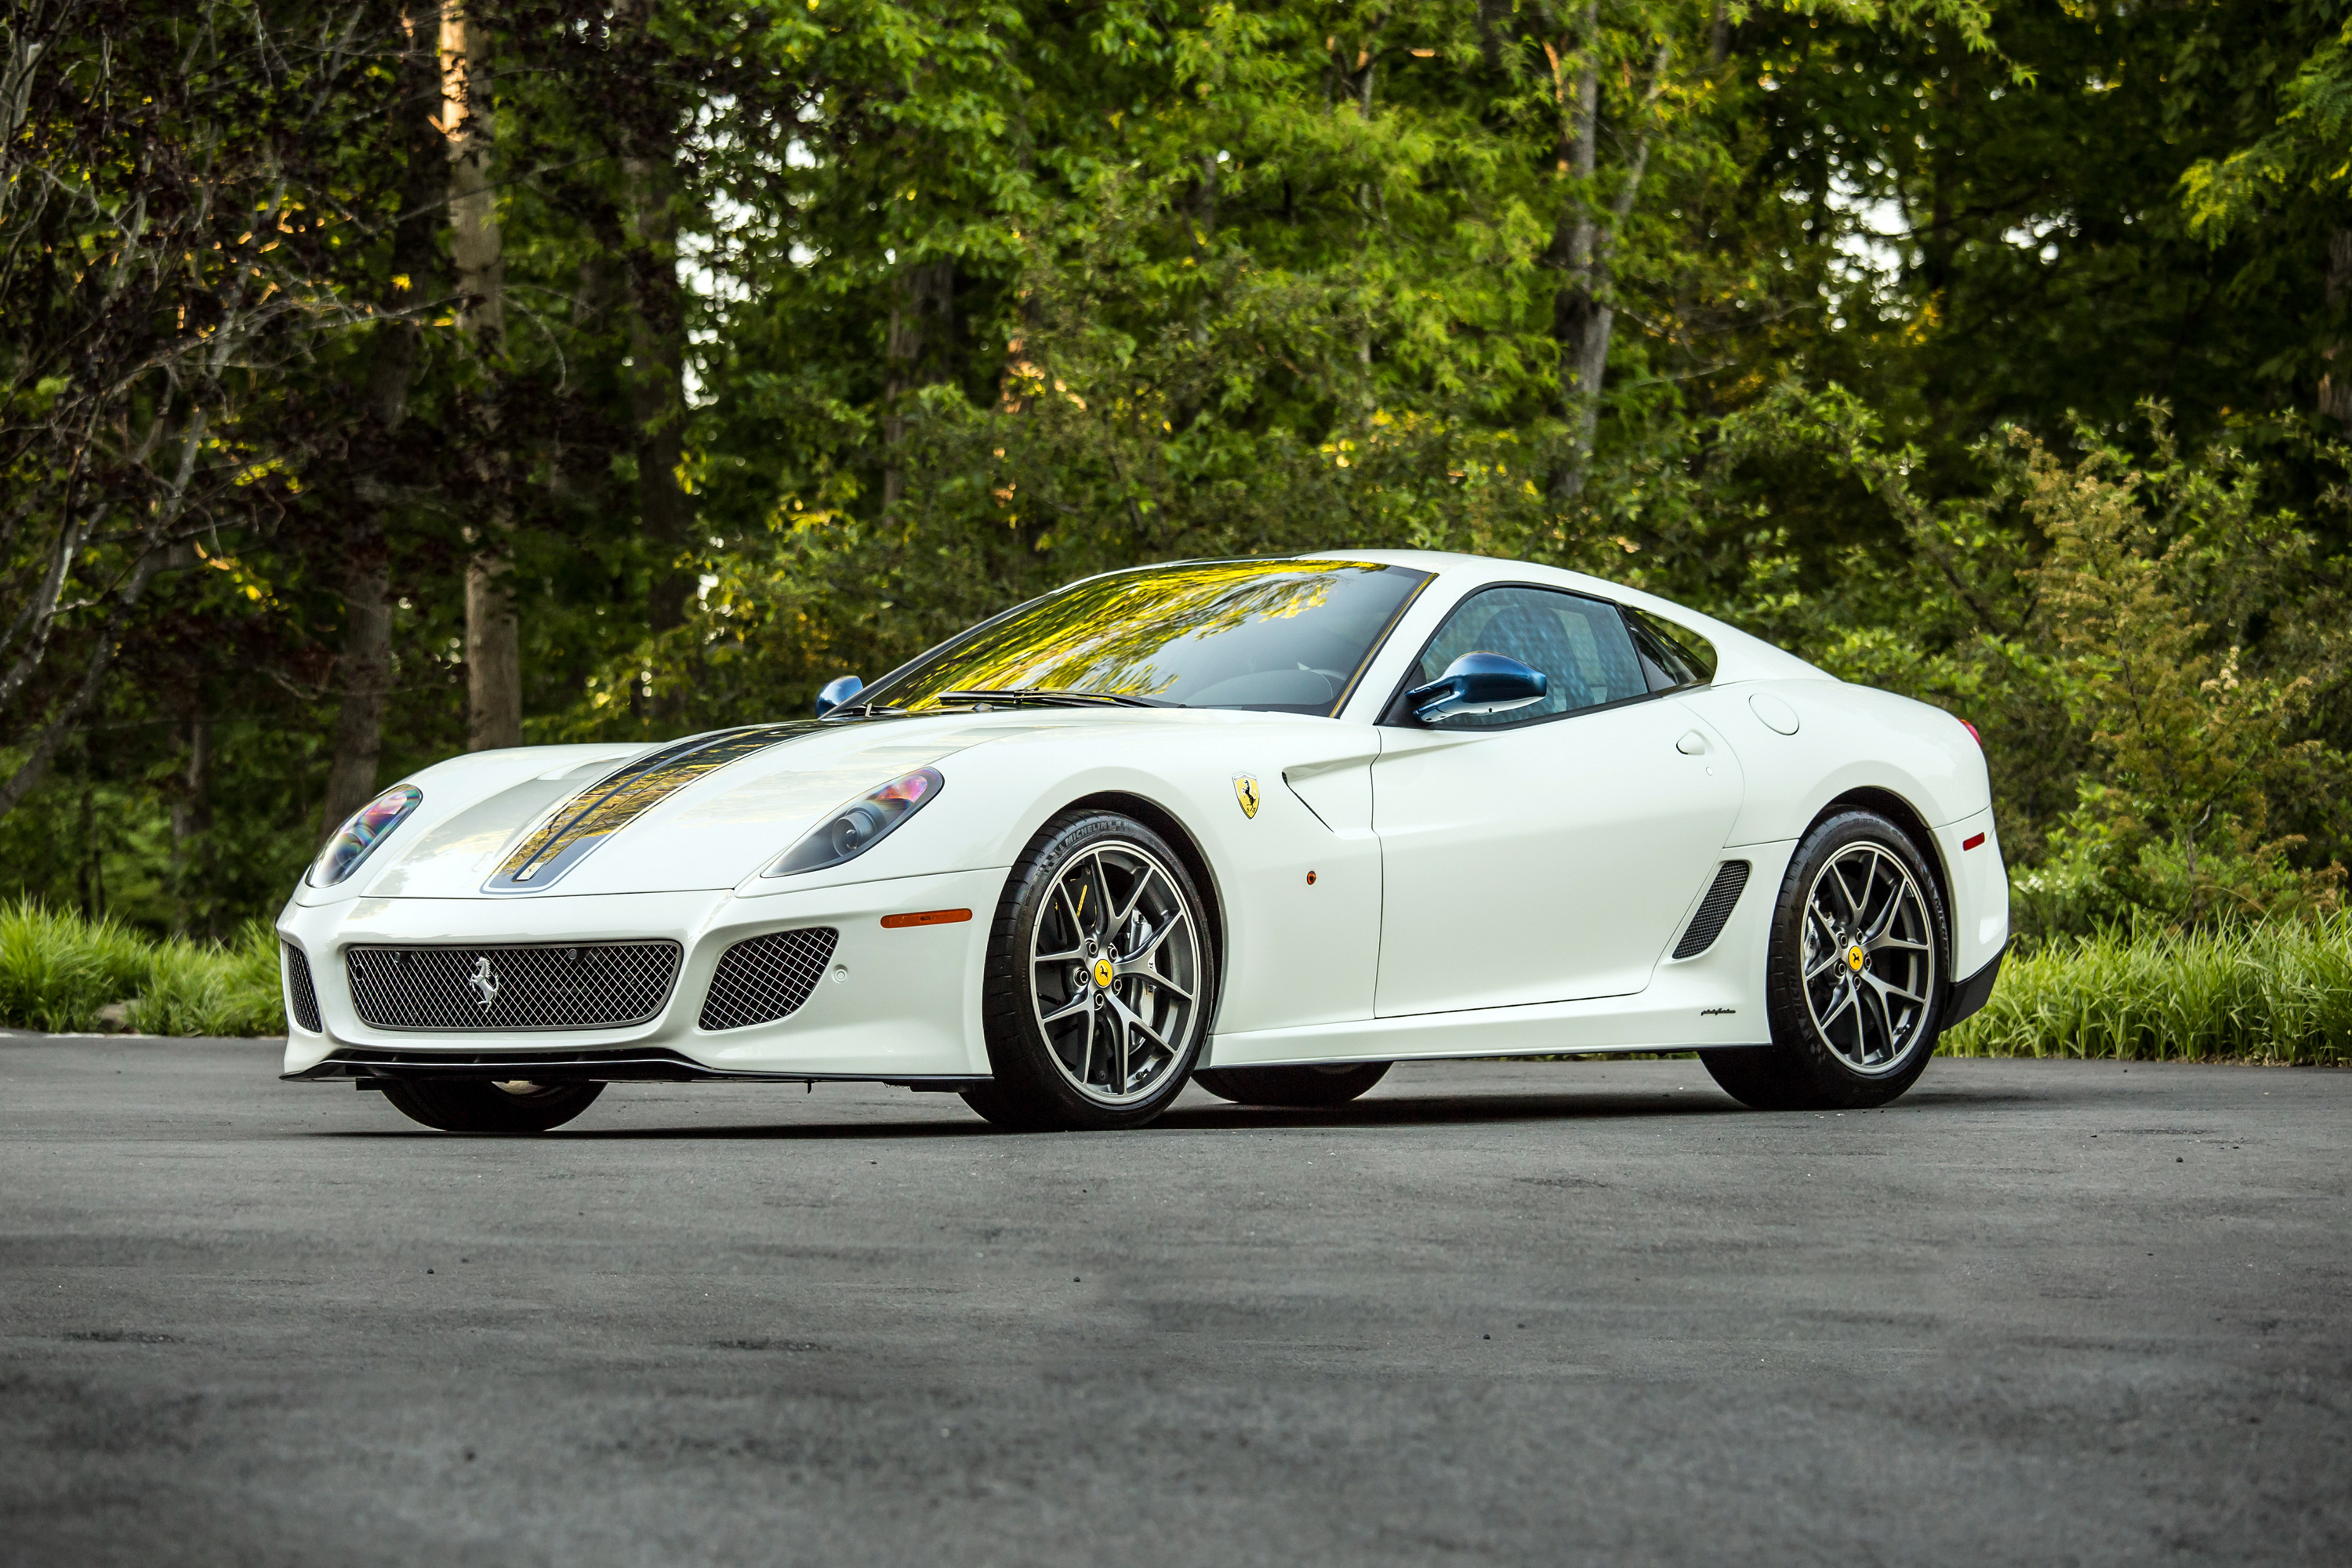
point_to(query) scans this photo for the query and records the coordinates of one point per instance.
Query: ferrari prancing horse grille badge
(1246, 791)
(484, 983)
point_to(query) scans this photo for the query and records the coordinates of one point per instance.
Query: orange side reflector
(1965, 843)
(927, 918)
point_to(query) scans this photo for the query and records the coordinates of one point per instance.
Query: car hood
(696, 815)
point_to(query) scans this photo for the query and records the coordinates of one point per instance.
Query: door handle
(1692, 744)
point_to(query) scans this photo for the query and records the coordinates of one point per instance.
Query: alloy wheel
(1115, 974)
(1869, 959)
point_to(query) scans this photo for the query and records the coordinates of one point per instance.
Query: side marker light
(1972, 841)
(927, 918)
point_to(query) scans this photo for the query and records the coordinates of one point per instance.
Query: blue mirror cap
(1479, 682)
(838, 690)
(359, 836)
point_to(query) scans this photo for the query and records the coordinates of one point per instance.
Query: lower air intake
(767, 977)
(1714, 910)
(303, 994)
(553, 985)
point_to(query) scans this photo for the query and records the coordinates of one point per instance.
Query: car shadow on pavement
(1194, 1114)
(1403, 1111)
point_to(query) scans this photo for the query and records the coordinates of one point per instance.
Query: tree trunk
(366, 663)
(366, 672)
(467, 120)
(912, 351)
(192, 812)
(2335, 390)
(493, 655)
(493, 647)
(1580, 320)
(657, 387)
(1584, 314)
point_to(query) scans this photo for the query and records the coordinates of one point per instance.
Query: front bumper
(898, 1004)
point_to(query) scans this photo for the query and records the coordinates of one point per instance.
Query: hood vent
(619, 798)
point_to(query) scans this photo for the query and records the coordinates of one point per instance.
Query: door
(1549, 853)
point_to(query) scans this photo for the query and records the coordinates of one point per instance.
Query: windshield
(1282, 637)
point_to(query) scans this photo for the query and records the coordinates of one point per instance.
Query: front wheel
(1100, 976)
(1312, 1085)
(1854, 983)
(489, 1105)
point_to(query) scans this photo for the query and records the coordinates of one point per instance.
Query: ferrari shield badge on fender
(1246, 791)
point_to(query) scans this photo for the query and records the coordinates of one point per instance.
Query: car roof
(1740, 655)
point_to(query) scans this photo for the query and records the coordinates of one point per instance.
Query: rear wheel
(490, 1105)
(1315, 1084)
(1854, 983)
(1100, 975)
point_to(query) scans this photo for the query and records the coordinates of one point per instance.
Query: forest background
(380, 381)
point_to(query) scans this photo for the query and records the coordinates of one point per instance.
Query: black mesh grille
(299, 986)
(1714, 910)
(583, 985)
(767, 978)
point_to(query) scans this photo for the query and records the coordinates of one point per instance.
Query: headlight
(859, 825)
(363, 833)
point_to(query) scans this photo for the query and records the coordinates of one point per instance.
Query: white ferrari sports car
(1267, 825)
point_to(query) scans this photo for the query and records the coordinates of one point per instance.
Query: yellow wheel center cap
(1854, 958)
(1104, 971)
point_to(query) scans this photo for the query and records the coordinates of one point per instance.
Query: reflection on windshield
(1289, 637)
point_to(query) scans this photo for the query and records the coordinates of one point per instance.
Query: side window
(1672, 656)
(1580, 644)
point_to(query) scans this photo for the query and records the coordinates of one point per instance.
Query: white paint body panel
(1545, 863)
(1515, 890)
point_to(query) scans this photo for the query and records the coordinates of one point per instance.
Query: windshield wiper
(1050, 696)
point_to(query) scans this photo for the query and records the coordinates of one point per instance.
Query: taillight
(1971, 729)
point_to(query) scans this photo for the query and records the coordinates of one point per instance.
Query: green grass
(209, 988)
(2277, 993)
(57, 969)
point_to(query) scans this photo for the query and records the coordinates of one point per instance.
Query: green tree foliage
(830, 326)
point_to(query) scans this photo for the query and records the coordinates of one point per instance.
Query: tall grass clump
(57, 968)
(211, 988)
(2274, 992)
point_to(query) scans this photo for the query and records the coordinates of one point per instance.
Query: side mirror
(1479, 683)
(837, 692)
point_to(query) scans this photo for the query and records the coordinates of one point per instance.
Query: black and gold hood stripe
(620, 797)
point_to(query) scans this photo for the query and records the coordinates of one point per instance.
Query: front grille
(767, 977)
(297, 986)
(551, 985)
(1714, 910)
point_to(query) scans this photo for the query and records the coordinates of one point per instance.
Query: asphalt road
(1579, 1312)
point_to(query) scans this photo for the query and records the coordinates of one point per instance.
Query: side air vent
(767, 977)
(298, 987)
(1714, 910)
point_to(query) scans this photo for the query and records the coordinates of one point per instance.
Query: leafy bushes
(58, 969)
(2153, 645)
(2273, 991)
